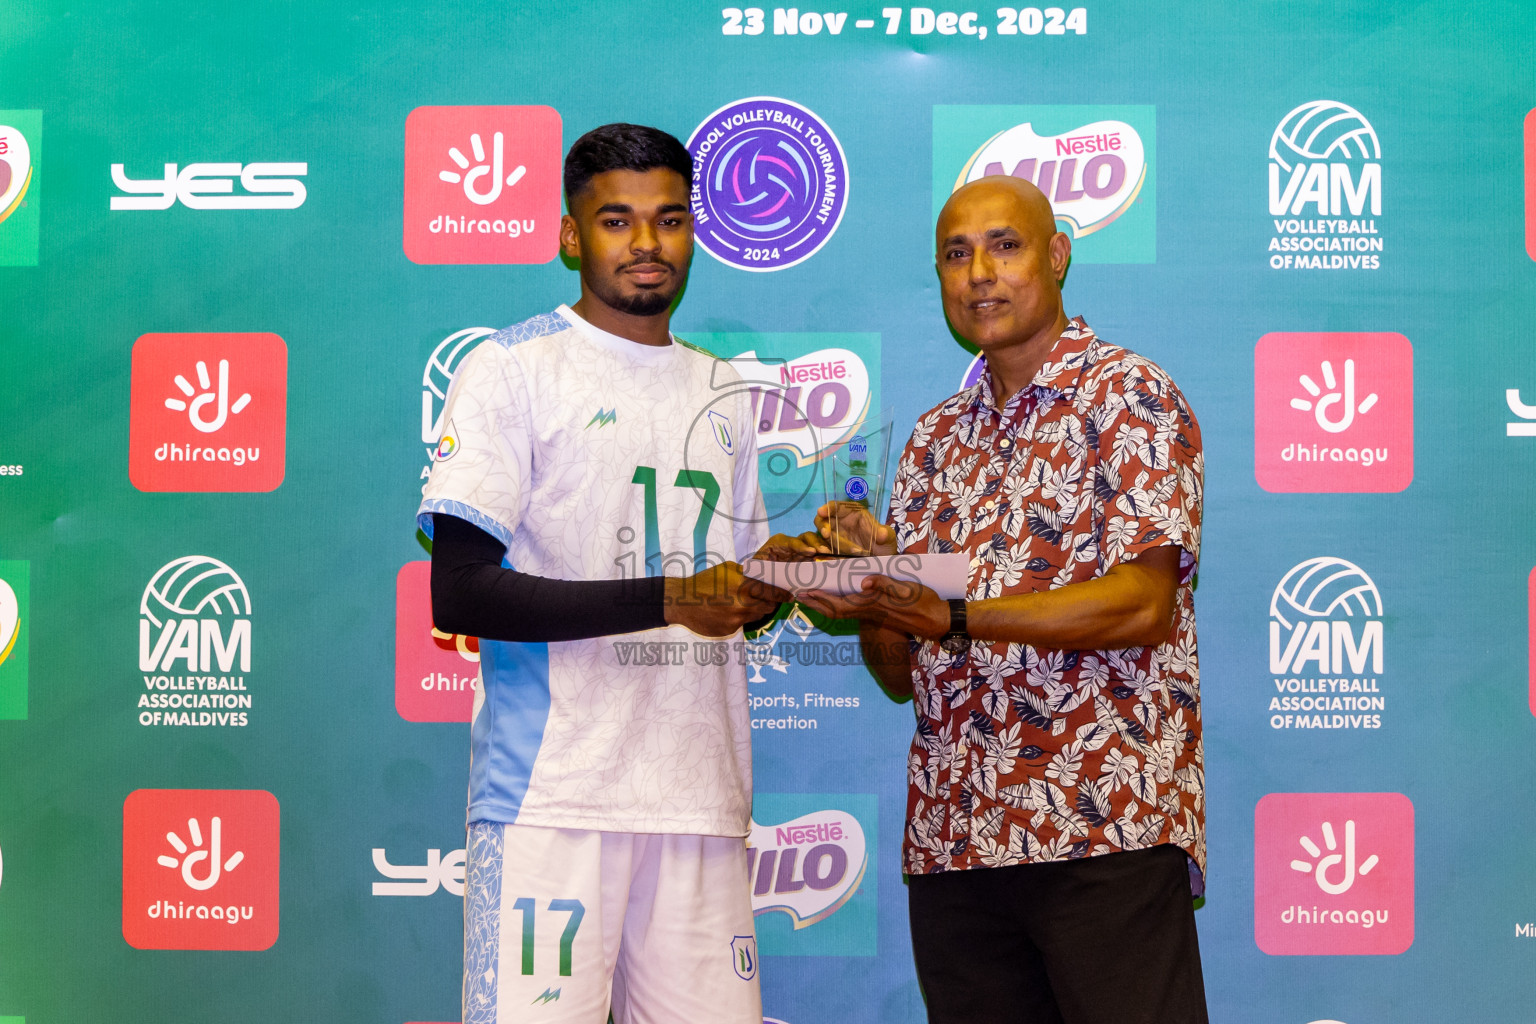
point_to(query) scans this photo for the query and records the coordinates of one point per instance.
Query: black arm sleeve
(474, 595)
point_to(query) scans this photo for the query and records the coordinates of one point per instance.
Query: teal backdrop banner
(244, 248)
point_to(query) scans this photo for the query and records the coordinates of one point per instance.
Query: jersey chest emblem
(720, 427)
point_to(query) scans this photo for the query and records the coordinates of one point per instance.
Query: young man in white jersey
(593, 495)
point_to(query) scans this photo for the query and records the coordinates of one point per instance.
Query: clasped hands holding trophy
(720, 600)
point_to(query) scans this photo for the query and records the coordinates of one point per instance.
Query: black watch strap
(957, 640)
(957, 618)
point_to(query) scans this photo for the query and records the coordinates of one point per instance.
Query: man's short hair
(623, 147)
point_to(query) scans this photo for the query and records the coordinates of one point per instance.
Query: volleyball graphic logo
(1323, 130)
(770, 183)
(1321, 588)
(193, 586)
(436, 378)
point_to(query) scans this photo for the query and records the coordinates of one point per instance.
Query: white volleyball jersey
(592, 457)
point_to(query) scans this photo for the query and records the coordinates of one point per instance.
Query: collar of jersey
(622, 347)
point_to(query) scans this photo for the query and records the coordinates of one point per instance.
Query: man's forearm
(887, 654)
(1129, 606)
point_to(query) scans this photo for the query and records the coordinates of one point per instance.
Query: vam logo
(194, 621)
(211, 186)
(1324, 167)
(1333, 873)
(1333, 412)
(437, 674)
(200, 869)
(15, 580)
(1325, 648)
(811, 892)
(1095, 164)
(208, 412)
(436, 379)
(482, 184)
(20, 137)
(439, 871)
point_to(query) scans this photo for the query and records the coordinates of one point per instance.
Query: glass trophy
(855, 472)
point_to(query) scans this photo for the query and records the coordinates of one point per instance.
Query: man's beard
(648, 302)
(641, 303)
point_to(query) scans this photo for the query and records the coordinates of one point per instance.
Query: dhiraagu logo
(813, 884)
(14, 585)
(1096, 164)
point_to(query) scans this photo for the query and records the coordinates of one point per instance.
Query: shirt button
(1004, 444)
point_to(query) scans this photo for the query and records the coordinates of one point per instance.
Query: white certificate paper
(944, 574)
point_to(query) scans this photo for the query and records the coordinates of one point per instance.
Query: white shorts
(558, 920)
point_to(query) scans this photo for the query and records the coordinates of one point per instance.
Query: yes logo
(200, 869)
(1097, 164)
(1333, 873)
(482, 184)
(14, 613)
(812, 894)
(1333, 412)
(436, 673)
(208, 412)
(1524, 425)
(420, 879)
(211, 186)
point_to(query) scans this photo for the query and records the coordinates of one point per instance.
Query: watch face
(955, 644)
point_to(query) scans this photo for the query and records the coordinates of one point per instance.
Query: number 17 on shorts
(523, 951)
(558, 922)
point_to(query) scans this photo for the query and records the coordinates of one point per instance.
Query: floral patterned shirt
(1023, 754)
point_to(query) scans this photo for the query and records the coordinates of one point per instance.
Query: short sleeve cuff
(468, 513)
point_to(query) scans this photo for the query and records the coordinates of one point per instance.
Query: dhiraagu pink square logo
(435, 672)
(1333, 413)
(1333, 874)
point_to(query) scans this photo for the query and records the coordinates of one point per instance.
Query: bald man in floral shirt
(1056, 809)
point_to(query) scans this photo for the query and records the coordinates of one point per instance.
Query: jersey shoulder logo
(534, 327)
(603, 417)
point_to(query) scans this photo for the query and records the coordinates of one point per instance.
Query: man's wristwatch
(957, 640)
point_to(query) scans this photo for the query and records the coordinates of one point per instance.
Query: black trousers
(1102, 940)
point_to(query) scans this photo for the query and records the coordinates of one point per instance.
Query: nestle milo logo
(806, 868)
(809, 405)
